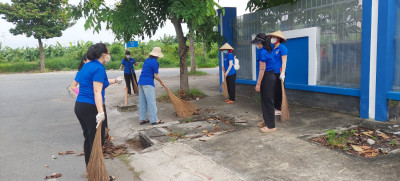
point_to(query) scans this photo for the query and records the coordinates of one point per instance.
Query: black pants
(267, 91)
(128, 80)
(86, 114)
(231, 84)
(278, 92)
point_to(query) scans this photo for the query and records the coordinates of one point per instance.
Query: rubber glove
(282, 76)
(119, 79)
(100, 118)
(76, 90)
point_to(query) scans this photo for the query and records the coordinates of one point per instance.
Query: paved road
(37, 121)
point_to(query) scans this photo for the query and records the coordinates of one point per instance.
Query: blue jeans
(147, 103)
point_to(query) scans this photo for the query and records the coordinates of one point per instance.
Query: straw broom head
(225, 89)
(96, 168)
(285, 106)
(182, 108)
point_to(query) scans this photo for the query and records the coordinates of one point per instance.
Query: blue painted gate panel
(297, 63)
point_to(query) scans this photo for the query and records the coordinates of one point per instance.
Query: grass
(125, 159)
(19, 67)
(197, 73)
(191, 94)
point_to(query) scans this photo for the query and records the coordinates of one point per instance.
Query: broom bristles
(135, 86)
(225, 89)
(182, 108)
(285, 106)
(96, 168)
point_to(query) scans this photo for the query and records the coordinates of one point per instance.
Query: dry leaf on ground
(357, 148)
(60, 153)
(384, 136)
(54, 175)
(69, 152)
(80, 154)
(216, 128)
(205, 131)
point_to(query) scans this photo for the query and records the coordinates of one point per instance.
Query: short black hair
(127, 53)
(96, 50)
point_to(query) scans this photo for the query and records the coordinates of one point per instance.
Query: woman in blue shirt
(129, 71)
(280, 55)
(229, 71)
(89, 106)
(147, 97)
(266, 82)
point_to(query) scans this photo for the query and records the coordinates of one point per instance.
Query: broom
(225, 89)
(182, 108)
(284, 107)
(135, 87)
(96, 168)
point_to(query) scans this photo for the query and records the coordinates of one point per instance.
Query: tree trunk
(183, 53)
(192, 57)
(204, 50)
(41, 55)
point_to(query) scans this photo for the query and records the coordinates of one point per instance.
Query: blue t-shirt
(150, 67)
(228, 57)
(128, 65)
(279, 51)
(90, 72)
(267, 57)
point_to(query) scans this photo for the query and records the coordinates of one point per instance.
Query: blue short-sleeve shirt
(90, 72)
(268, 58)
(279, 51)
(229, 57)
(128, 65)
(150, 67)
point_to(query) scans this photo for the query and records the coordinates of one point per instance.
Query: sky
(78, 33)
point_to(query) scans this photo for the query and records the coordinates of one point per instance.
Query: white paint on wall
(253, 59)
(313, 35)
(373, 54)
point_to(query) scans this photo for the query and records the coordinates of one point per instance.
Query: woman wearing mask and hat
(89, 106)
(266, 82)
(147, 97)
(229, 71)
(280, 55)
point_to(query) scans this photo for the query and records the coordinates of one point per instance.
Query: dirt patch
(360, 141)
(110, 150)
(138, 144)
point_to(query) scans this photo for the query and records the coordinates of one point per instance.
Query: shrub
(197, 73)
(19, 67)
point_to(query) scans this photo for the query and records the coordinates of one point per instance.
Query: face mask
(225, 51)
(109, 58)
(127, 56)
(274, 40)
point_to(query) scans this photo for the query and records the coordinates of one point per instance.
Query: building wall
(331, 102)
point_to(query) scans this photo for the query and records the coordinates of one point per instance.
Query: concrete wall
(331, 102)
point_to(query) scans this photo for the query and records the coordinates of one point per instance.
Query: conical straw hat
(156, 52)
(226, 46)
(280, 35)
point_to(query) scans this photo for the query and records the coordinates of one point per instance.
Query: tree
(257, 5)
(192, 55)
(138, 18)
(40, 19)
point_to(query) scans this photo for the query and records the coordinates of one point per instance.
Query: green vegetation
(68, 58)
(393, 142)
(197, 73)
(191, 94)
(338, 139)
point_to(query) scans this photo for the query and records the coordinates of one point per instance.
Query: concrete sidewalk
(245, 153)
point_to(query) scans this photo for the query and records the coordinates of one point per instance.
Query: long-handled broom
(96, 168)
(285, 106)
(135, 86)
(225, 89)
(182, 108)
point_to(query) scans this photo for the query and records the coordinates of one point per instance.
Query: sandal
(230, 102)
(111, 178)
(144, 122)
(267, 130)
(158, 122)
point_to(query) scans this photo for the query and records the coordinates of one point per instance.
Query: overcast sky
(78, 32)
